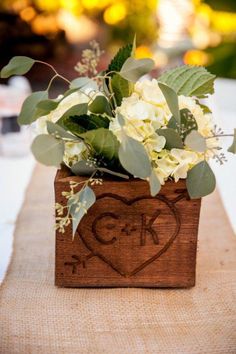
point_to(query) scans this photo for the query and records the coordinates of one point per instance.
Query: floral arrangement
(117, 122)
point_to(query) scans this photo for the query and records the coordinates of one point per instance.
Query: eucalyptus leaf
(133, 69)
(173, 139)
(80, 82)
(48, 150)
(134, 158)
(55, 129)
(19, 65)
(27, 114)
(79, 204)
(100, 105)
(187, 123)
(171, 99)
(232, 148)
(189, 80)
(103, 142)
(155, 185)
(195, 141)
(48, 105)
(200, 180)
(83, 168)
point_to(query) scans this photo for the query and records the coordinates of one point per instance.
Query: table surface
(223, 104)
(37, 317)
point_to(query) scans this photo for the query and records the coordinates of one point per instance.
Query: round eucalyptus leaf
(48, 150)
(19, 65)
(133, 69)
(155, 185)
(134, 158)
(195, 141)
(29, 107)
(200, 180)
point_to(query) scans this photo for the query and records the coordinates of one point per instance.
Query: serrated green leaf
(187, 123)
(27, 114)
(80, 124)
(103, 142)
(189, 80)
(134, 158)
(171, 99)
(155, 185)
(195, 141)
(173, 139)
(119, 59)
(19, 65)
(100, 105)
(232, 148)
(48, 150)
(55, 129)
(133, 69)
(120, 87)
(200, 180)
(66, 121)
(79, 204)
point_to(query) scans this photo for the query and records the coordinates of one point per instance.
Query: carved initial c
(98, 237)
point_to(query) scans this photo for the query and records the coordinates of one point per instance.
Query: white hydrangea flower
(73, 152)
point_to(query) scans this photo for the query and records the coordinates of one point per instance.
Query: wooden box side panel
(130, 239)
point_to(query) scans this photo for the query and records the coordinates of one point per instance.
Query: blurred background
(172, 32)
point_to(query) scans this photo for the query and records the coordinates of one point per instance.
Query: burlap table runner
(37, 317)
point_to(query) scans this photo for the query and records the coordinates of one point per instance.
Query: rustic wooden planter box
(128, 238)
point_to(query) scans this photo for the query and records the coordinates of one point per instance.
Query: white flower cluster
(144, 112)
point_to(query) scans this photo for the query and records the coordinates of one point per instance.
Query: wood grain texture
(128, 238)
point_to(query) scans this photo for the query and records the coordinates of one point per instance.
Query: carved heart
(129, 234)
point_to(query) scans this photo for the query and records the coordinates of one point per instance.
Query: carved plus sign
(128, 229)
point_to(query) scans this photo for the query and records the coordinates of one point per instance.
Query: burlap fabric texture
(38, 318)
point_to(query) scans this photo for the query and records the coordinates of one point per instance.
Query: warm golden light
(115, 13)
(196, 57)
(27, 14)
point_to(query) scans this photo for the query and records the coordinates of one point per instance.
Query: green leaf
(100, 105)
(187, 123)
(48, 105)
(155, 185)
(103, 142)
(189, 80)
(133, 69)
(120, 87)
(80, 124)
(200, 180)
(27, 114)
(17, 66)
(55, 129)
(80, 82)
(232, 148)
(134, 158)
(83, 168)
(132, 54)
(48, 150)
(195, 141)
(171, 99)
(66, 122)
(79, 204)
(173, 139)
(119, 59)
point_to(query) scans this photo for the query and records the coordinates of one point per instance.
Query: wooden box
(128, 238)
